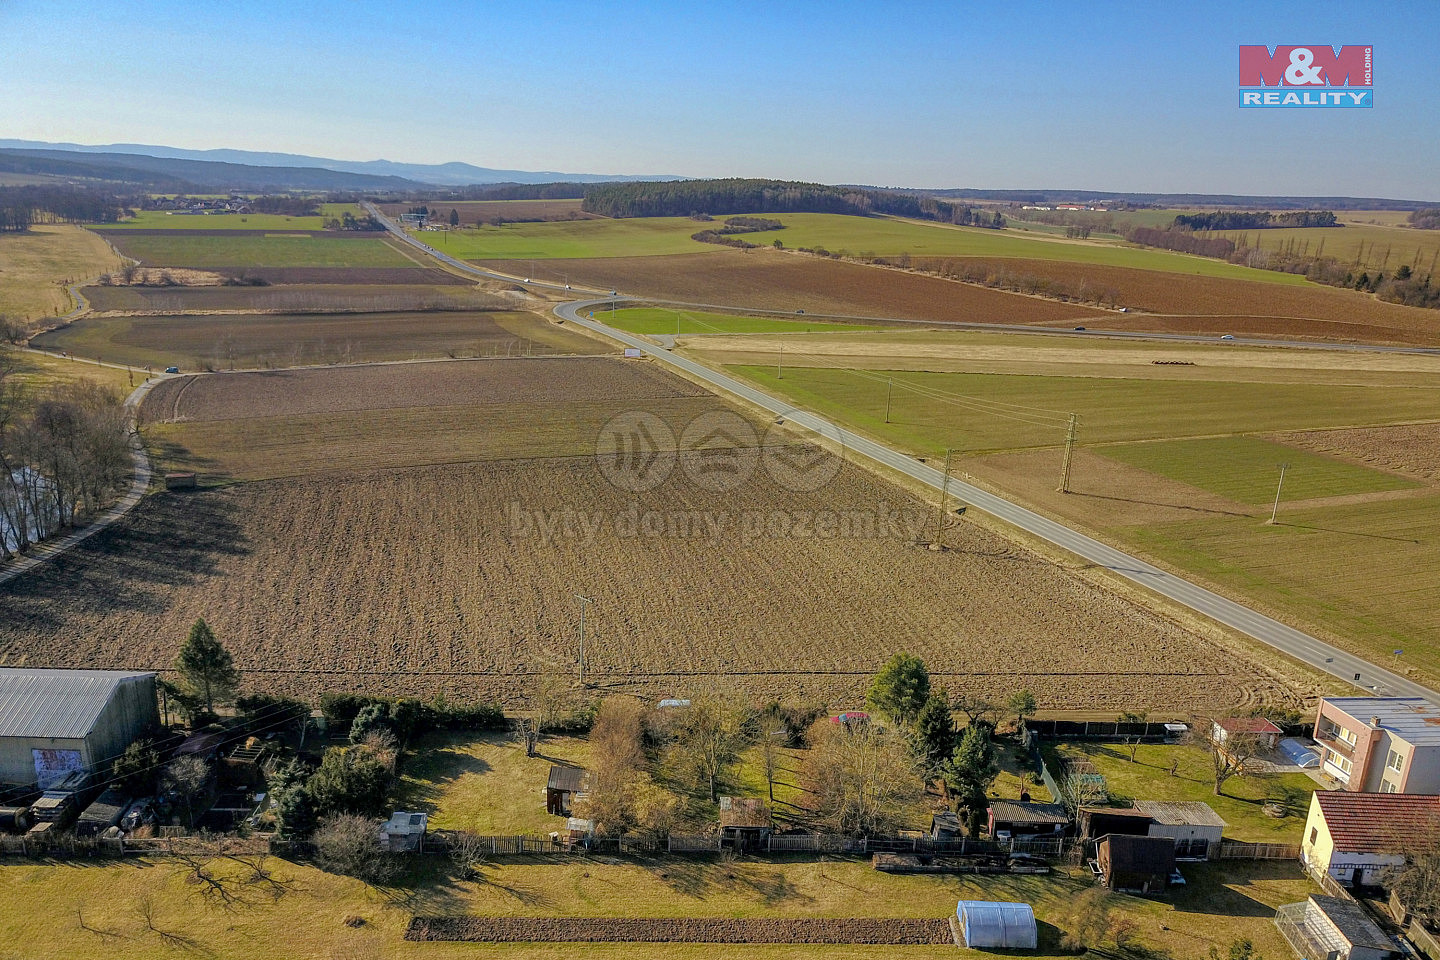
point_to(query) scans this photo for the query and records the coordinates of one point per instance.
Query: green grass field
(648, 320)
(261, 251)
(1245, 469)
(1241, 804)
(886, 237)
(79, 910)
(164, 220)
(658, 236)
(974, 413)
(570, 239)
(1361, 573)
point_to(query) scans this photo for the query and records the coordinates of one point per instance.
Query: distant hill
(442, 174)
(172, 175)
(1169, 199)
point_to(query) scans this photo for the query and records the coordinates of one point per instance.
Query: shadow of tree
(169, 541)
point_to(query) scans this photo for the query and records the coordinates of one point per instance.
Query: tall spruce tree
(206, 666)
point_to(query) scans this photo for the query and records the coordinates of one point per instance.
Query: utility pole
(779, 360)
(1069, 450)
(1278, 487)
(889, 392)
(583, 602)
(944, 495)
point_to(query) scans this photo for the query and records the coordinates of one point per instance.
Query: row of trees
(1183, 241)
(64, 454)
(684, 197)
(1253, 219)
(21, 207)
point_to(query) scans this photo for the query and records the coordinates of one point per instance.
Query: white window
(1334, 758)
(1396, 761)
(1387, 787)
(1348, 736)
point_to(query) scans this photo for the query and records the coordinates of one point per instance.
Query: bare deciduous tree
(862, 777)
(350, 844)
(1229, 753)
(546, 698)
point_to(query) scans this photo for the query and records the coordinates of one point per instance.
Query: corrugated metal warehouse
(53, 722)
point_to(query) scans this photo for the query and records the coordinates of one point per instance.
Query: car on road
(1228, 336)
(800, 313)
(1079, 329)
(172, 369)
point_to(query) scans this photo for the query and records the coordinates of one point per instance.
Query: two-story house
(1381, 744)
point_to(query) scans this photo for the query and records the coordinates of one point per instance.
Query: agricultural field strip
(599, 305)
(1287, 639)
(1283, 637)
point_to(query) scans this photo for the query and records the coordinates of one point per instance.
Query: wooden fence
(1238, 850)
(69, 845)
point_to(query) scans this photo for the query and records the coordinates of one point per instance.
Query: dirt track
(679, 930)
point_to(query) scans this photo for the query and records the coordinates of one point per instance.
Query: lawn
(36, 265)
(164, 220)
(243, 250)
(95, 910)
(1240, 805)
(1246, 469)
(975, 413)
(648, 320)
(485, 784)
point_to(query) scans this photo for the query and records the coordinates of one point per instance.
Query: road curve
(48, 550)
(1288, 640)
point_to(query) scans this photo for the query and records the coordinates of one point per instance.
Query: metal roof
(56, 704)
(568, 779)
(1193, 813)
(1016, 811)
(1413, 719)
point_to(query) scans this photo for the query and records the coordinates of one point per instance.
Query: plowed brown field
(353, 298)
(1196, 296)
(772, 280)
(869, 930)
(457, 579)
(249, 341)
(1411, 449)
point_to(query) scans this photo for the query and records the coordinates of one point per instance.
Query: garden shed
(993, 923)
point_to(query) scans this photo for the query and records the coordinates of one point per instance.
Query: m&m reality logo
(1315, 75)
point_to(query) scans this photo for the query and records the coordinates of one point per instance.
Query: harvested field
(1196, 296)
(869, 930)
(308, 298)
(774, 280)
(458, 579)
(268, 341)
(1410, 449)
(473, 210)
(233, 248)
(400, 386)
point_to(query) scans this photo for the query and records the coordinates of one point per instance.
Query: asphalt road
(1303, 647)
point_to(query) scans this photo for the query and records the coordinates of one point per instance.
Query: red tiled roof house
(1354, 837)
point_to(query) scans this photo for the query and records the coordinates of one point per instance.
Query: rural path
(48, 550)
(1295, 643)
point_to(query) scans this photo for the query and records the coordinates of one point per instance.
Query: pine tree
(206, 666)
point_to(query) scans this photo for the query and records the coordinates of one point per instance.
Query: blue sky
(1107, 95)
